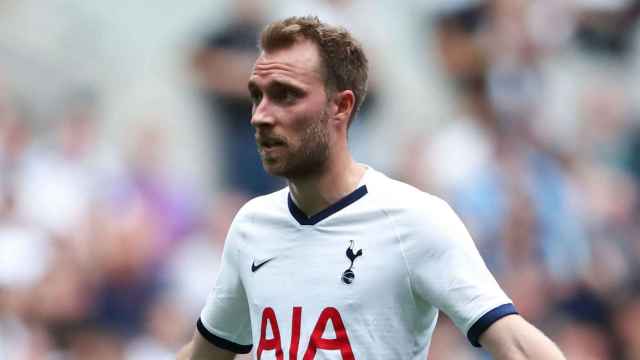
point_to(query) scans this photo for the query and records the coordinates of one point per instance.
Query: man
(345, 263)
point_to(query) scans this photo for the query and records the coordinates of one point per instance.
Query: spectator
(223, 64)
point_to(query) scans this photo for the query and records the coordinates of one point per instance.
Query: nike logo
(255, 267)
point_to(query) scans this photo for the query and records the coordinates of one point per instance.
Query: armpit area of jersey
(222, 343)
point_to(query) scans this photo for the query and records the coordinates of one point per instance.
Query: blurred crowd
(542, 162)
(108, 253)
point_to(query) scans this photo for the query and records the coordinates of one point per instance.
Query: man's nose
(262, 115)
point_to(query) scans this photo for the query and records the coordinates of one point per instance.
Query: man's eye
(285, 96)
(289, 96)
(256, 97)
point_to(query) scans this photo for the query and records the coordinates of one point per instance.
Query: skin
(301, 128)
(301, 133)
(513, 338)
(290, 122)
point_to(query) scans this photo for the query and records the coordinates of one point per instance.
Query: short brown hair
(345, 64)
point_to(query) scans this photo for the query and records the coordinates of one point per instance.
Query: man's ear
(344, 104)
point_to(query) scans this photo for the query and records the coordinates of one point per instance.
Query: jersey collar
(302, 218)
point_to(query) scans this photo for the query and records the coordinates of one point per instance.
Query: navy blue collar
(302, 218)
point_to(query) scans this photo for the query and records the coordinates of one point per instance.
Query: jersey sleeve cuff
(487, 320)
(220, 342)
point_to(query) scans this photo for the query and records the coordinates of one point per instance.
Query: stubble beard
(309, 157)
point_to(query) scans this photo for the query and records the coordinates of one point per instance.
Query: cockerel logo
(348, 275)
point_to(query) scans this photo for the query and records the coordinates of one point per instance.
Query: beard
(305, 158)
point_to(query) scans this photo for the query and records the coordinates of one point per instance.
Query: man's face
(290, 111)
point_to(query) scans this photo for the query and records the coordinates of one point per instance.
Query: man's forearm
(185, 352)
(200, 349)
(512, 338)
(534, 346)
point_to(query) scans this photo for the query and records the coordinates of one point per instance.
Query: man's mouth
(269, 143)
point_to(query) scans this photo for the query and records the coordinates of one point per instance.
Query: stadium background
(125, 151)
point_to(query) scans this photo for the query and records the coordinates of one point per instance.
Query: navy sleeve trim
(487, 320)
(222, 343)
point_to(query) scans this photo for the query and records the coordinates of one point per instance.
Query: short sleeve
(225, 319)
(447, 270)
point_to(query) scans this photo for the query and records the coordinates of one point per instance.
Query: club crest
(348, 275)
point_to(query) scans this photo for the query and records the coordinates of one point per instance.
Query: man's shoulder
(270, 203)
(417, 215)
(397, 194)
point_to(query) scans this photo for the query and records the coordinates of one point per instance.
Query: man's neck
(318, 192)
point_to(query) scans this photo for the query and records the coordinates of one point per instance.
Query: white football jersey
(363, 279)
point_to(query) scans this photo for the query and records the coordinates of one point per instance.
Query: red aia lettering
(316, 341)
(295, 332)
(268, 315)
(341, 342)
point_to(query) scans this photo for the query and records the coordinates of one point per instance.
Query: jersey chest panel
(311, 266)
(359, 270)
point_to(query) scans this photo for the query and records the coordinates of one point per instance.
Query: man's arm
(513, 338)
(200, 349)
